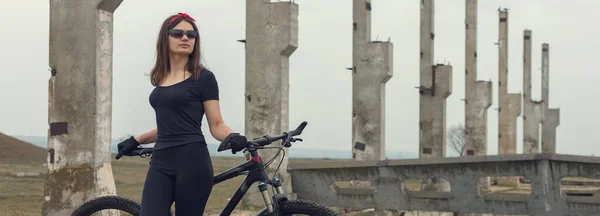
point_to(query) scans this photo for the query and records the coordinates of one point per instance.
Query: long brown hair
(162, 66)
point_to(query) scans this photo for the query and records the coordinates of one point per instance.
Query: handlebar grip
(300, 128)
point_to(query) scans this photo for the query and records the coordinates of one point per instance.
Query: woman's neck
(178, 64)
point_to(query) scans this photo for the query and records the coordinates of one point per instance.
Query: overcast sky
(325, 49)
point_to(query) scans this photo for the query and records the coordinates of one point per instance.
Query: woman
(181, 169)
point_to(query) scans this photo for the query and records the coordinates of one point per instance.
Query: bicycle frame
(256, 173)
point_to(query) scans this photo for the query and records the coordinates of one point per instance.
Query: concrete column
(478, 93)
(435, 86)
(510, 104)
(551, 116)
(79, 104)
(271, 38)
(372, 69)
(532, 110)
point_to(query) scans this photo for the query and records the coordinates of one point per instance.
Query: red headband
(183, 15)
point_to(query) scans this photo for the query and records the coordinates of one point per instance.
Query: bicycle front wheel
(304, 207)
(108, 203)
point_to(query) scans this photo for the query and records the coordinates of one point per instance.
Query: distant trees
(456, 139)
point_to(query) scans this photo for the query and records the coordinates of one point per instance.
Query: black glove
(126, 146)
(238, 142)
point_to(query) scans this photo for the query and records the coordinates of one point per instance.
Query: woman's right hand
(126, 146)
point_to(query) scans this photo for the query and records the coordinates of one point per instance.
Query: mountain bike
(276, 205)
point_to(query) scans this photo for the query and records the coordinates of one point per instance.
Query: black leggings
(182, 174)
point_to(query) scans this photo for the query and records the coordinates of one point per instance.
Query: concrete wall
(372, 68)
(79, 104)
(532, 110)
(271, 38)
(386, 191)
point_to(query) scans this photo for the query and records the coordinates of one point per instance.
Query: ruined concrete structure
(271, 38)
(551, 116)
(81, 81)
(532, 110)
(79, 104)
(372, 68)
(478, 93)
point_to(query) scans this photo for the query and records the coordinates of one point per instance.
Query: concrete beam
(435, 87)
(271, 38)
(478, 93)
(551, 116)
(314, 181)
(372, 69)
(532, 110)
(79, 104)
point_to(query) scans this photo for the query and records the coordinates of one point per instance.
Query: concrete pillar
(435, 86)
(478, 93)
(532, 110)
(79, 104)
(372, 68)
(510, 104)
(551, 116)
(271, 38)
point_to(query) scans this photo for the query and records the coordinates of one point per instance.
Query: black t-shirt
(179, 109)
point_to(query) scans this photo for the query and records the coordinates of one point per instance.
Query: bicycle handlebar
(266, 140)
(225, 145)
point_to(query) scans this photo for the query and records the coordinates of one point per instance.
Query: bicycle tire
(106, 203)
(307, 207)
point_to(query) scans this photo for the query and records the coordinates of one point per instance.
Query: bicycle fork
(262, 187)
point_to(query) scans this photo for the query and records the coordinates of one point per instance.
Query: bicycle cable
(277, 170)
(268, 163)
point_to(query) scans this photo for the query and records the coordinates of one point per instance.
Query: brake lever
(295, 139)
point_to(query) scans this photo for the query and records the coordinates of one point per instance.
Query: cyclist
(181, 170)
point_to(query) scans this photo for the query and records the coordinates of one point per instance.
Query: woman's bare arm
(218, 129)
(148, 137)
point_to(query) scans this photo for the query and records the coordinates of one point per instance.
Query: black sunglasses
(177, 33)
